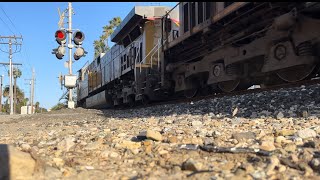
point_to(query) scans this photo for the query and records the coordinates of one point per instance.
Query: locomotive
(202, 47)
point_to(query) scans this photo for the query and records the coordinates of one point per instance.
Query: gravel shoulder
(170, 141)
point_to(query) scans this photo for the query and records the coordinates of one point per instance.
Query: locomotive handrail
(162, 28)
(152, 51)
(171, 10)
(149, 54)
(135, 62)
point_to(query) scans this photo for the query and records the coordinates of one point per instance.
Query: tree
(100, 45)
(109, 29)
(25, 101)
(21, 101)
(20, 94)
(59, 106)
(16, 74)
(39, 109)
(37, 106)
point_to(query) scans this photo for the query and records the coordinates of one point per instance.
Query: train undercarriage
(255, 50)
(260, 44)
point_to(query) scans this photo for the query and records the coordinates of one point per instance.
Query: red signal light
(60, 36)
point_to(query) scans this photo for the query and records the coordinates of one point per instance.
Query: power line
(5, 46)
(24, 62)
(27, 55)
(16, 48)
(10, 20)
(6, 68)
(7, 25)
(24, 56)
(15, 43)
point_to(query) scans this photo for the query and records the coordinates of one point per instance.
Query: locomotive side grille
(231, 69)
(305, 49)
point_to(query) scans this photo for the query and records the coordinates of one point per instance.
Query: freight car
(203, 47)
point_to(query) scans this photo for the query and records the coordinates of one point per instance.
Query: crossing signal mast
(61, 38)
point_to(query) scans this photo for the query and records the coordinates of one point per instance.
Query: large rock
(191, 165)
(315, 164)
(142, 135)
(129, 145)
(15, 164)
(108, 154)
(25, 147)
(154, 135)
(306, 133)
(290, 147)
(274, 161)
(66, 144)
(93, 145)
(52, 173)
(196, 123)
(280, 115)
(243, 136)
(172, 139)
(285, 132)
(235, 111)
(267, 146)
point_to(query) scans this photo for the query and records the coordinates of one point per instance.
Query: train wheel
(145, 100)
(204, 91)
(296, 73)
(190, 93)
(214, 89)
(271, 80)
(228, 86)
(131, 101)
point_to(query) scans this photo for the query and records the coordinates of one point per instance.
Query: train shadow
(298, 102)
(262, 106)
(4, 162)
(181, 109)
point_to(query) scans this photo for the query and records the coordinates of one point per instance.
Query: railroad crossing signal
(59, 52)
(78, 38)
(60, 36)
(79, 53)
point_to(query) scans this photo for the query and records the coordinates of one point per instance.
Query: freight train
(200, 48)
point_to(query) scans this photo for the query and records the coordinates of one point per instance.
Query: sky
(37, 23)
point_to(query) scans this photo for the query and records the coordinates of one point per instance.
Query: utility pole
(1, 92)
(31, 83)
(10, 64)
(10, 72)
(70, 46)
(32, 90)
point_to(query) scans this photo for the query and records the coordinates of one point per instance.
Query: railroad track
(178, 100)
